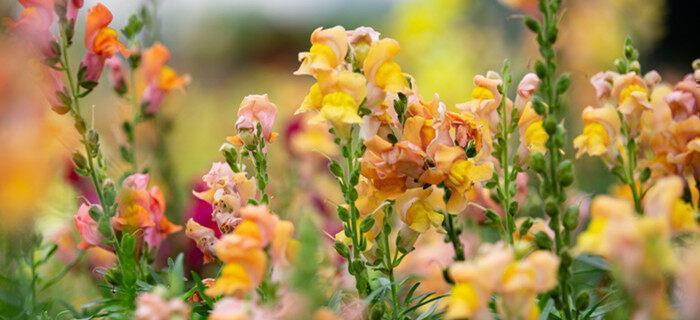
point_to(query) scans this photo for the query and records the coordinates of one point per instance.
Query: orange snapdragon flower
(142, 208)
(160, 78)
(101, 42)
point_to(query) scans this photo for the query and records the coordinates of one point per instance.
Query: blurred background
(234, 48)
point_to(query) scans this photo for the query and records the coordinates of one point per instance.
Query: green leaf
(176, 276)
(133, 27)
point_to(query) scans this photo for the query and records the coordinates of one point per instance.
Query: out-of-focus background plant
(233, 48)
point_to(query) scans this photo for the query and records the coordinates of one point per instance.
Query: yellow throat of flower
(482, 93)
(627, 91)
(536, 137)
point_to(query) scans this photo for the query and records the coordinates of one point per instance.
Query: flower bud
(550, 125)
(342, 249)
(550, 207)
(543, 241)
(537, 162)
(406, 239)
(582, 300)
(566, 173)
(539, 105)
(571, 217)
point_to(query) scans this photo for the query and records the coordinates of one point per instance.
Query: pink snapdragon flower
(152, 306)
(87, 228)
(256, 109)
(34, 24)
(116, 74)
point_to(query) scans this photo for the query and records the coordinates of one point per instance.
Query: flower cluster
(256, 245)
(498, 270)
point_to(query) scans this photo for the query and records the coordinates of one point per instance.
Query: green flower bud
(543, 241)
(582, 300)
(366, 224)
(571, 217)
(537, 162)
(550, 125)
(551, 207)
(342, 249)
(539, 105)
(566, 173)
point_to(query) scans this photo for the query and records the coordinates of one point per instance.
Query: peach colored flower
(485, 99)
(601, 134)
(684, 100)
(152, 306)
(328, 50)
(256, 109)
(141, 208)
(204, 238)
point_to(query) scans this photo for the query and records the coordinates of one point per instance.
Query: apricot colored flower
(101, 42)
(390, 167)
(485, 99)
(631, 94)
(381, 70)
(664, 200)
(602, 83)
(204, 238)
(601, 134)
(257, 109)
(152, 306)
(420, 209)
(684, 100)
(361, 39)
(230, 309)
(160, 78)
(532, 135)
(87, 228)
(142, 208)
(475, 282)
(328, 50)
(458, 172)
(336, 96)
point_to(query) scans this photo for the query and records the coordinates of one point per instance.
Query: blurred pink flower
(256, 109)
(116, 74)
(152, 306)
(34, 24)
(87, 227)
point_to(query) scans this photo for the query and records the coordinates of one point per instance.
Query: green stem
(631, 167)
(553, 190)
(454, 237)
(506, 196)
(75, 111)
(389, 264)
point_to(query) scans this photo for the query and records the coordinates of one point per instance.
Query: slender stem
(75, 111)
(135, 118)
(631, 167)
(389, 265)
(454, 237)
(506, 183)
